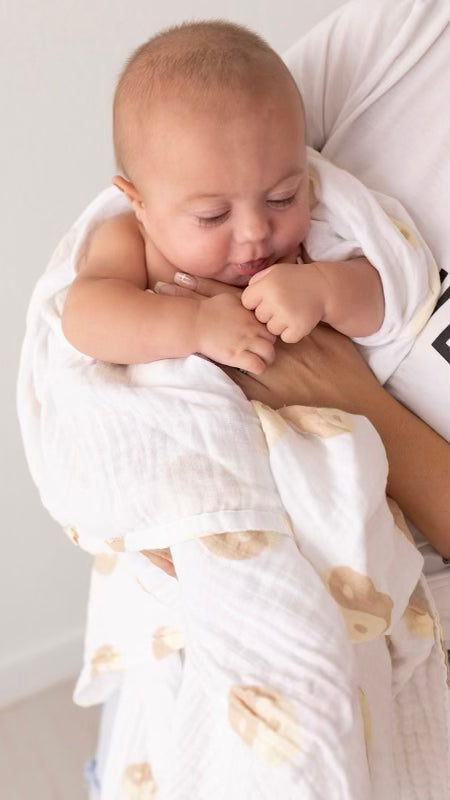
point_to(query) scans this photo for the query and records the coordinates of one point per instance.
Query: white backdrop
(59, 60)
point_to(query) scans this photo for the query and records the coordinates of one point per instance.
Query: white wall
(59, 62)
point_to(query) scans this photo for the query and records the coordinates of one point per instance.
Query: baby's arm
(110, 316)
(291, 299)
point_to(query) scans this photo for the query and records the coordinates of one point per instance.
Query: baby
(209, 135)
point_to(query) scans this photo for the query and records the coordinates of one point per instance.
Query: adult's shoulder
(356, 52)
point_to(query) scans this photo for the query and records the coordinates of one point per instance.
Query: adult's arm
(325, 369)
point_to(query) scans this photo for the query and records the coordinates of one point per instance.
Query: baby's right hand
(230, 334)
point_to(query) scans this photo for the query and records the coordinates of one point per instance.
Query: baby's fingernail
(159, 285)
(185, 280)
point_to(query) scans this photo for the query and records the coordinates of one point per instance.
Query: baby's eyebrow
(203, 196)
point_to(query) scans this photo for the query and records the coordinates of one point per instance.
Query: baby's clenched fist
(230, 334)
(290, 299)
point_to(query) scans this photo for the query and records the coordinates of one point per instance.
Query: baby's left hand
(289, 298)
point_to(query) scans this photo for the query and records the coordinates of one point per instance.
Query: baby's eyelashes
(215, 220)
(285, 201)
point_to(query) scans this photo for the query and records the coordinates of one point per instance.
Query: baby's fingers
(277, 326)
(264, 349)
(264, 312)
(249, 362)
(262, 274)
(251, 297)
(295, 330)
(260, 353)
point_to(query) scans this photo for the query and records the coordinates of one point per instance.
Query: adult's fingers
(207, 287)
(161, 558)
(252, 386)
(172, 290)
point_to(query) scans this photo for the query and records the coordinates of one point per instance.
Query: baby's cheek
(206, 256)
(304, 222)
(294, 233)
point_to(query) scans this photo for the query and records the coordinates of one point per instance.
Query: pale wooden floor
(44, 743)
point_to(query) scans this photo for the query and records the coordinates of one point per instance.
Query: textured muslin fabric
(278, 664)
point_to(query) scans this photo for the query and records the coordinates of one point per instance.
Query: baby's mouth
(252, 267)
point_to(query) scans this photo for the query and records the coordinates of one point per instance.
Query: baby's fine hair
(199, 62)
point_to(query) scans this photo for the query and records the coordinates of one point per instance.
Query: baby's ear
(131, 193)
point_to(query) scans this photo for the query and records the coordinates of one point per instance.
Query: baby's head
(210, 142)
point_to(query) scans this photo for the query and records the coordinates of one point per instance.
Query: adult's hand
(161, 558)
(323, 369)
(190, 286)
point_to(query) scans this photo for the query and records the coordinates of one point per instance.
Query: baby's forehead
(184, 136)
(222, 105)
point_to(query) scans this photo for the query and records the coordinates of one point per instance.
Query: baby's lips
(250, 268)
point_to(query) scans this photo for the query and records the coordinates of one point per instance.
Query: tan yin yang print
(265, 722)
(238, 545)
(104, 659)
(138, 783)
(367, 612)
(417, 617)
(166, 640)
(105, 563)
(323, 422)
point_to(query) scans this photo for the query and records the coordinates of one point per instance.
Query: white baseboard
(34, 670)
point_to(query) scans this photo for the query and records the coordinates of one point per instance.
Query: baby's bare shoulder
(115, 249)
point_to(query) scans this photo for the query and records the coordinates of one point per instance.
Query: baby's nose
(252, 227)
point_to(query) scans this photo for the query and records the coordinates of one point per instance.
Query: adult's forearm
(419, 468)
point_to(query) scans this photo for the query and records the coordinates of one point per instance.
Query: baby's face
(225, 197)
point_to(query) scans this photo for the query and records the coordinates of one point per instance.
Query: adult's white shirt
(375, 79)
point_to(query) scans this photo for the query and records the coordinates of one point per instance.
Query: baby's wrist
(322, 290)
(202, 323)
(353, 296)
